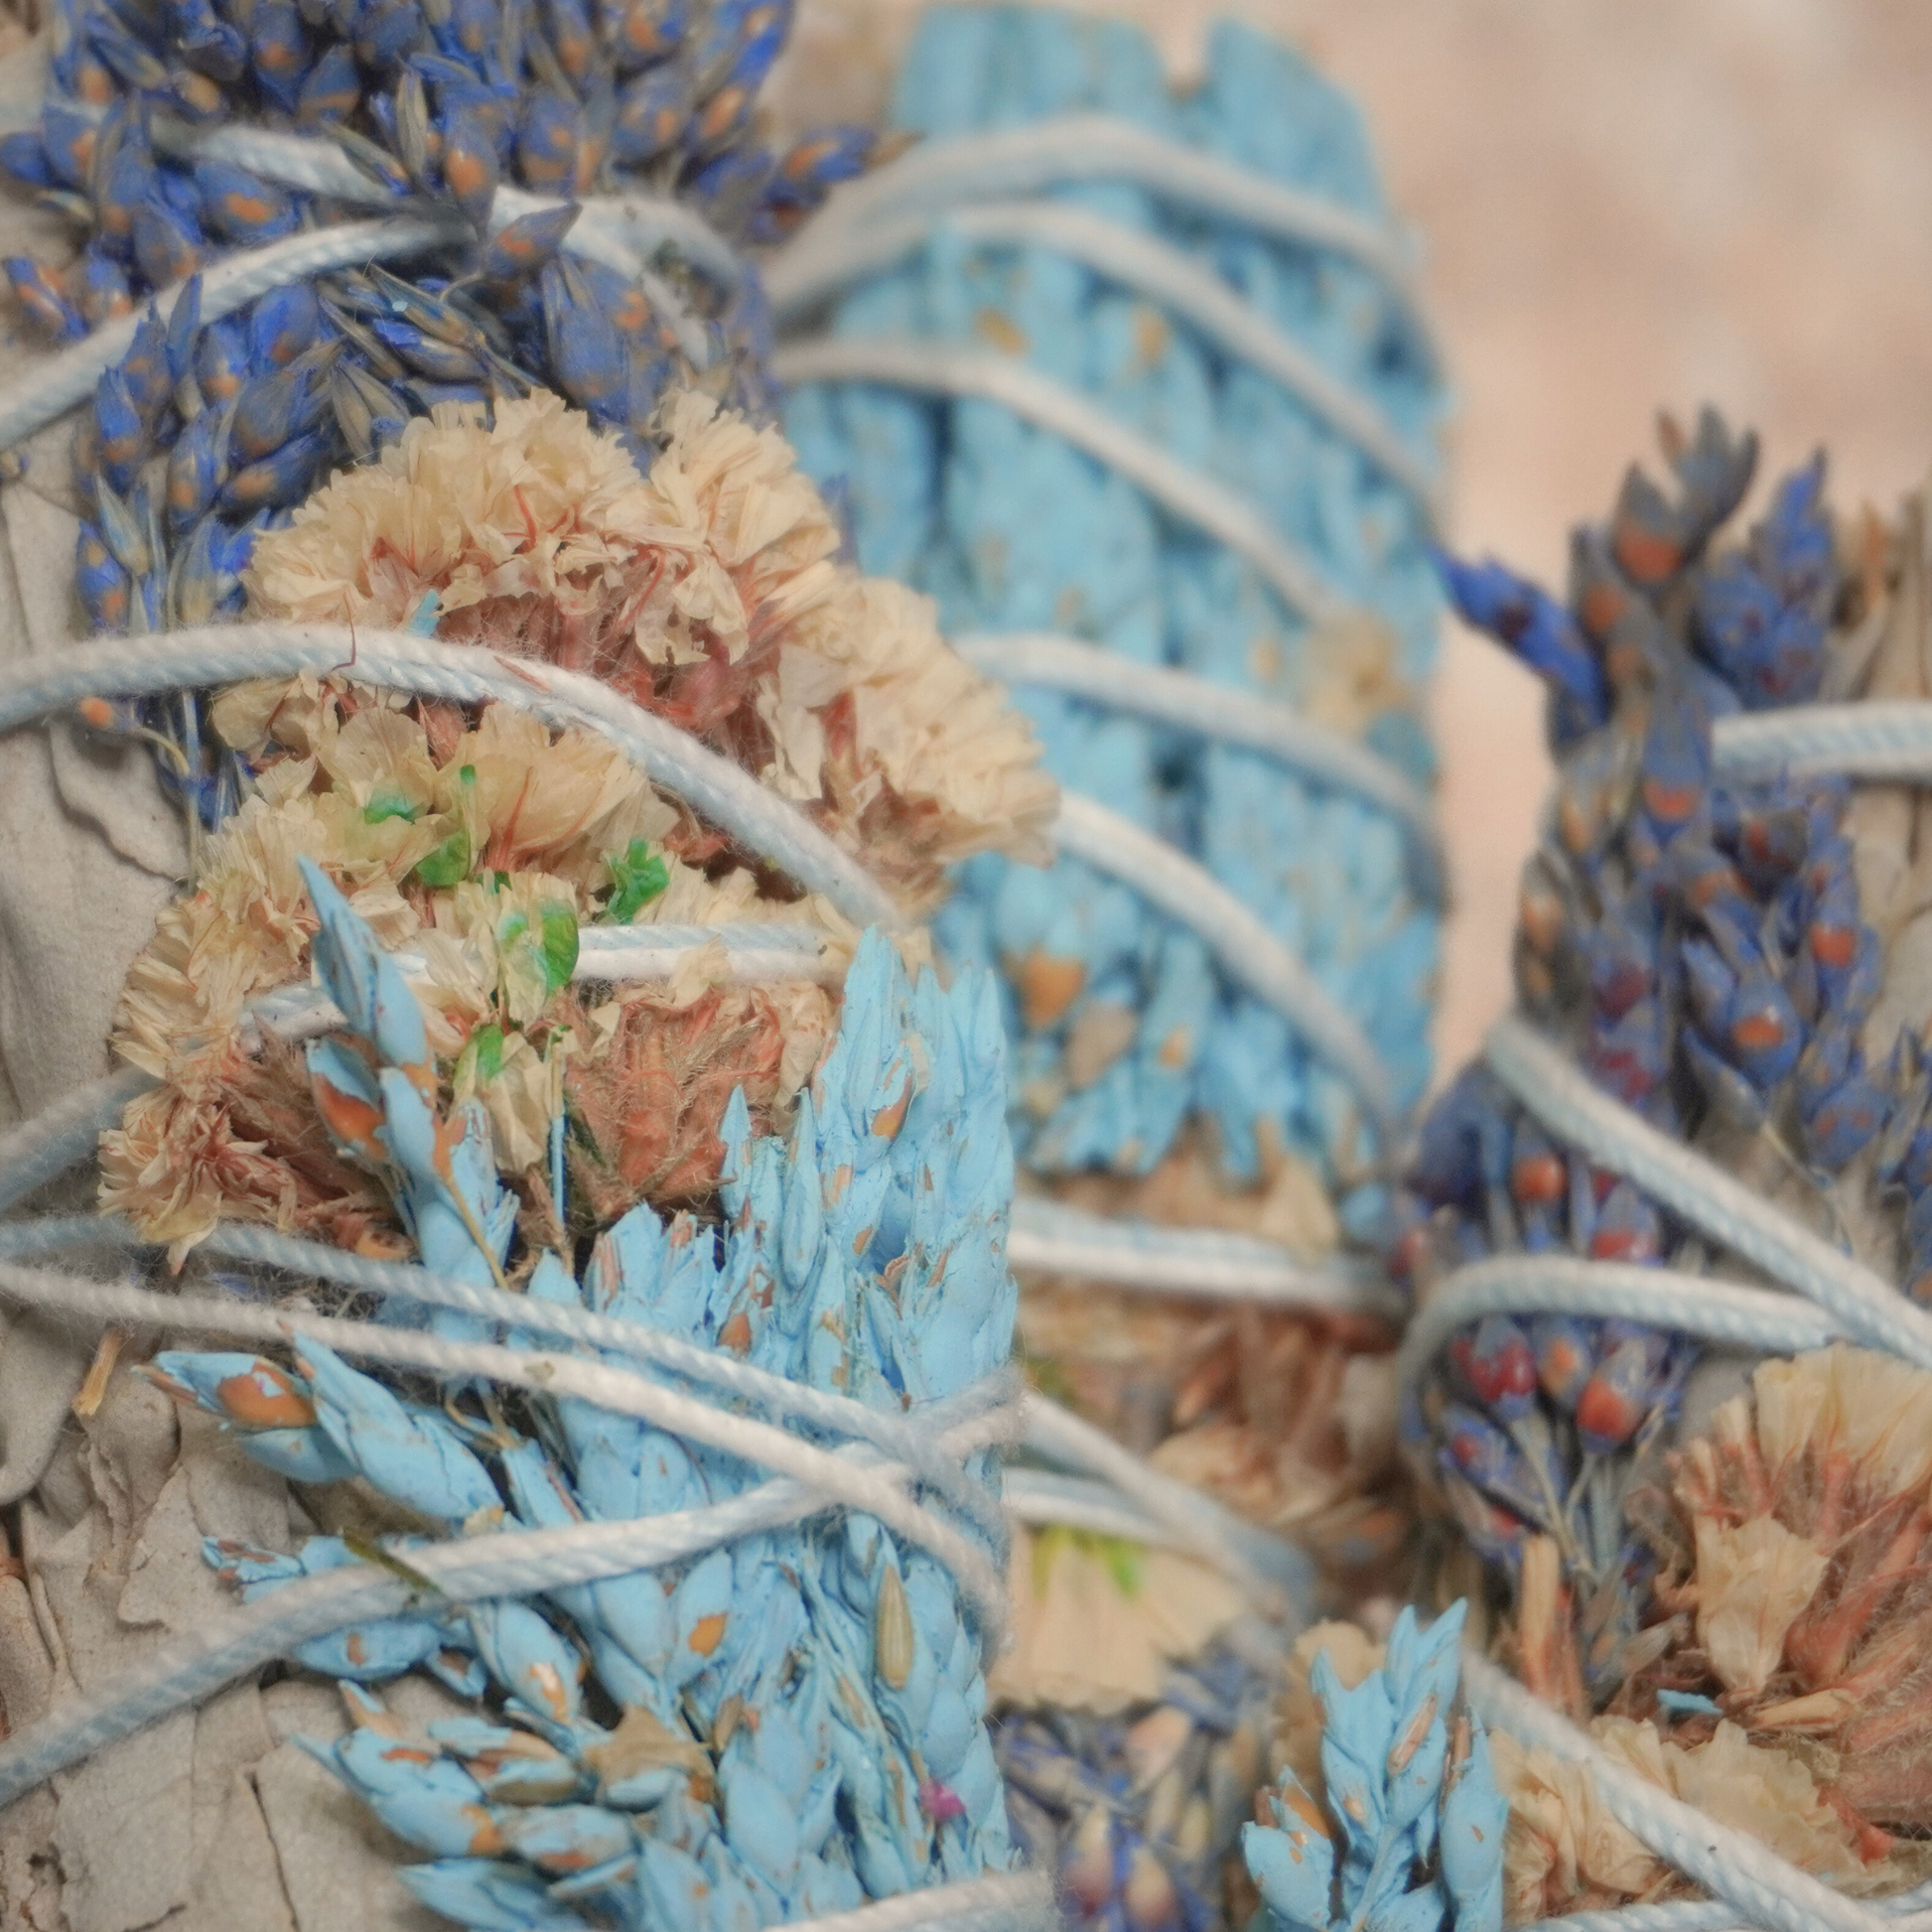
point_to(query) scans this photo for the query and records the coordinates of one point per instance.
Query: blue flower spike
(1406, 1833)
(800, 1715)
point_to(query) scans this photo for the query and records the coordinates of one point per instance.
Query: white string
(32, 1153)
(1906, 1910)
(1248, 952)
(55, 384)
(1019, 1901)
(1886, 740)
(318, 166)
(540, 1373)
(1188, 494)
(1269, 1572)
(731, 799)
(967, 169)
(1049, 1239)
(616, 955)
(1771, 1893)
(1861, 1304)
(1184, 702)
(1050, 1499)
(216, 1652)
(616, 229)
(1720, 1312)
(562, 1321)
(818, 264)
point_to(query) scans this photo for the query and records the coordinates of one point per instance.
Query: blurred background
(1619, 207)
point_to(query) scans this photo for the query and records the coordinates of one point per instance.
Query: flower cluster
(1287, 1420)
(1135, 1705)
(1128, 1043)
(462, 833)
(485, 850)
(1792, 1541)
(439, 103)
(789, 1725)
(1565, 1850)
(1779, 1686)
(1400, 1826)
(707, 590)
(1703, 948)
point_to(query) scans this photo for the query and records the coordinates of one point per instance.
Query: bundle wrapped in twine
(1667, 1376)
(539, 1089)
(1130, 378)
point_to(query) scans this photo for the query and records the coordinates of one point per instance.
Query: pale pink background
(1622, 205)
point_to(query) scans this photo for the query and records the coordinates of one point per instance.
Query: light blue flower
(1409, 1837)
(810, 1700)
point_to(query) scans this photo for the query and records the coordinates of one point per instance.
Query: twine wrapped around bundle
(1668, 1368)
(1131, 381)
(548, 733)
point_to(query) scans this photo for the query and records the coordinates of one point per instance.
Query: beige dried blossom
(541, 506)
(1095, 1622)
(1795, 1578)
(1564, 1852)
(707, 591)
(483, 848)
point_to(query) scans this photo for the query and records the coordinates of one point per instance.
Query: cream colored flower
(708, 590)
(1564, 1852)
(1751, 1582)
(541, 503)
(1097, 1621)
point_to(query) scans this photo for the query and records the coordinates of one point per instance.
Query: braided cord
(1769, 1890)
(32, 1153)
(1019, 1901)
(1205, 1262)
(1908, 1911)
(1272, 1575)
(972, 168)
(822, 261)
(731, 799)
(561, 1321)
(1890, 739)
(622, 1391)
(1180, 700)
(1188, 494)
(1859, 1301)
(1720, 1312)
(622, 231)
(54, 386)
(1247, 950)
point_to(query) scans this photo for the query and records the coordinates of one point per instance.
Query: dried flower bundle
(1387, 1812)
(708, 591)
(841, 1756)
(484, 850)
(1737, 959)
(1699, 945)
(1791, 1544)
(1147, 1084)
(1125, 1031)
(786, 1726)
